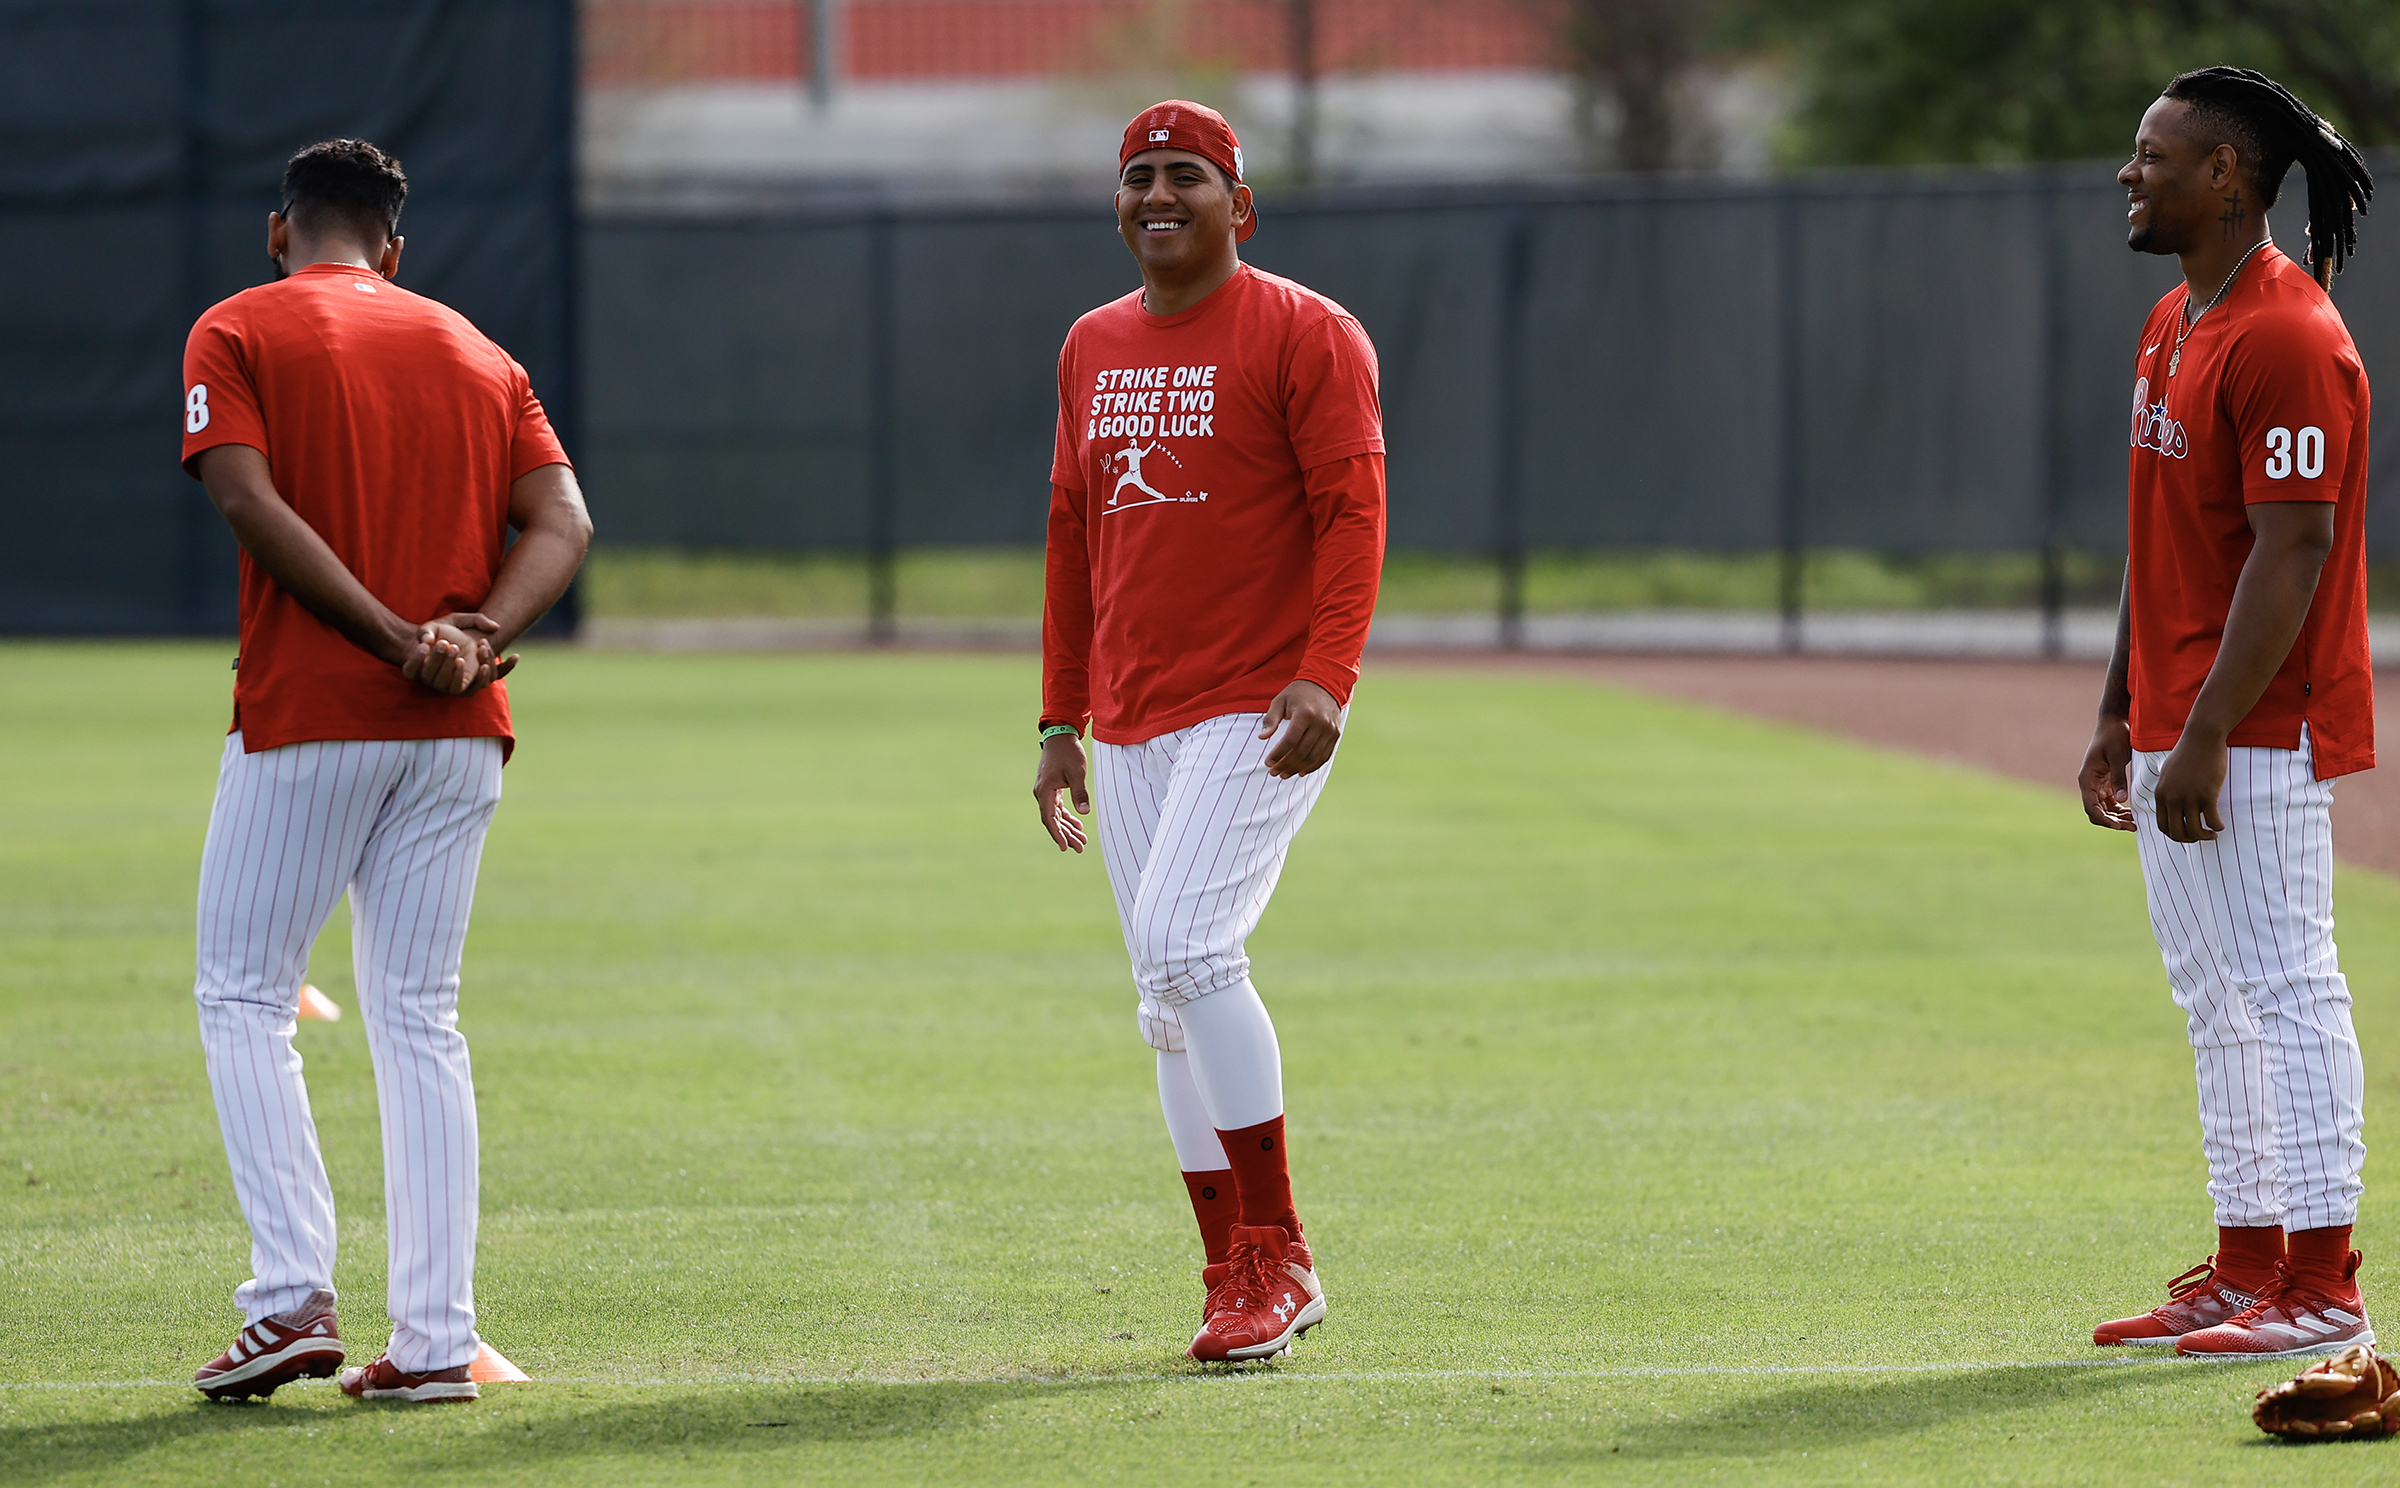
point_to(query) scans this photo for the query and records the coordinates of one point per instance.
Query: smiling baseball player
(2240, 687)
(1216, 538)
(370, 450)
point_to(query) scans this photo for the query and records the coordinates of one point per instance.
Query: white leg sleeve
(284, 838)
(1197, 1149)
(1236, 1062)
(415, 888)
(2245, 928)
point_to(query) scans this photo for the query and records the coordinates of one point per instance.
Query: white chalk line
(1277, 1374)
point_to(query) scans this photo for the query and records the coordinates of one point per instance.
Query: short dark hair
(2270, 130)
(348, 181)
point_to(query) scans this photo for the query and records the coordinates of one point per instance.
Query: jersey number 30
(195, 409)
(2281, 457)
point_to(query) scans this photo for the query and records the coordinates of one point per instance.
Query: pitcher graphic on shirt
(1133, 455)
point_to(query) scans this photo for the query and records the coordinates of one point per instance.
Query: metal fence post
(198, 516)
(883, 584)
(1508, 427)
(566, 400)
(2054, 475)
(1301, 22)
(1791, 495)
(824, 45)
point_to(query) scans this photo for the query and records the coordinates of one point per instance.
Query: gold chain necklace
(2191, 322)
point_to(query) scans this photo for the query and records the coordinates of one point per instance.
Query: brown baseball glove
(2354, 1393)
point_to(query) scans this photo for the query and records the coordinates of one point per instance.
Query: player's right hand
(1060, 775)
(2107, 795)
(454, 655)
(490, 666)
(445, 659)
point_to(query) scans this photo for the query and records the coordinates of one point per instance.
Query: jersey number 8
(2311, 453)
(195, 409)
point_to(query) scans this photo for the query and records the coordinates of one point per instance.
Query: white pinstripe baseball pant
(2245, 928)
(400, 824)
(1194, 832)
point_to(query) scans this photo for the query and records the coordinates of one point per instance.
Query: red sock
(1259, 1173)
(1214, 1204)
(2321, 1257)
(2246, 1257)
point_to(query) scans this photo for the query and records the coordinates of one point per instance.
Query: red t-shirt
(1216, 513)
(2269, 404)
(394, 428)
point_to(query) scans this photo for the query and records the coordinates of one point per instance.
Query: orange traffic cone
(490, 1369)
(317, 1006)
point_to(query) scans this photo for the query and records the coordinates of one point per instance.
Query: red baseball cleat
(1267, 1299)
(304, 1343)
(381, 1381)
(1217, 1279)
(2197, 1299)
(2293, 1320)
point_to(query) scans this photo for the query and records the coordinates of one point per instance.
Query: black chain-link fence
(1903, 363)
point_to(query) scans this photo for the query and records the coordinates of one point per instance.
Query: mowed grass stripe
(1621, 1037)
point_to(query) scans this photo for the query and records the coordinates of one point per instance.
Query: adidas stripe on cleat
(305, 1343)
(2293, 1320)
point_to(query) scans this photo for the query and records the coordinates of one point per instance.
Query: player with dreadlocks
(2239, 689)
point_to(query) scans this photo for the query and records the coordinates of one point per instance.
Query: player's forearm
(1066, 666)
(2116, 692)
(1346, 504)
(2270, 604)
(554, 532)
(1068, 616)
(296, 557)
(535, 574)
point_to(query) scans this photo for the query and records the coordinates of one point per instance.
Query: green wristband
(1054, 730)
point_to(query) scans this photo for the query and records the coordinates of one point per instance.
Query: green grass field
(1002, 583)
(1674, 1097)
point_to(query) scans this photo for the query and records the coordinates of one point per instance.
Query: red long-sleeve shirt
(1216, 512)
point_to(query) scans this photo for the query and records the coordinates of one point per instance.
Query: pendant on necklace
(2175, 361)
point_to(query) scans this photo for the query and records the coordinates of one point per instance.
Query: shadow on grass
(732, 1419)
(1841, 1411)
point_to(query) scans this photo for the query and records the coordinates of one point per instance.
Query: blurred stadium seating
(631, 43)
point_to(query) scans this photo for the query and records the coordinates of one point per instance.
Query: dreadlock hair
(347, 180)
(2271, 131)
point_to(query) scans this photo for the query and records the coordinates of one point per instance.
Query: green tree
(1921, 81)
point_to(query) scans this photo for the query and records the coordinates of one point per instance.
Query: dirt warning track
(2028, 719)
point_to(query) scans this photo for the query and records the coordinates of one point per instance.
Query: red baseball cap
(1179, 124)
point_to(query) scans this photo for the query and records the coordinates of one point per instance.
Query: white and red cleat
(1268, 1297)
(2295, 1319)
(304, 1343)
(382, 1381)
(2197, 1299)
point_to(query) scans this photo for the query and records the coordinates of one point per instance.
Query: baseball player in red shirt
(2239, 689)
(370, 450)
(1216, 538)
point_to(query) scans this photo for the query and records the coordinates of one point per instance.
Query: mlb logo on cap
(1160, 136)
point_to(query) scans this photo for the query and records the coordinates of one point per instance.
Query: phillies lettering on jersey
(2268, 403)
